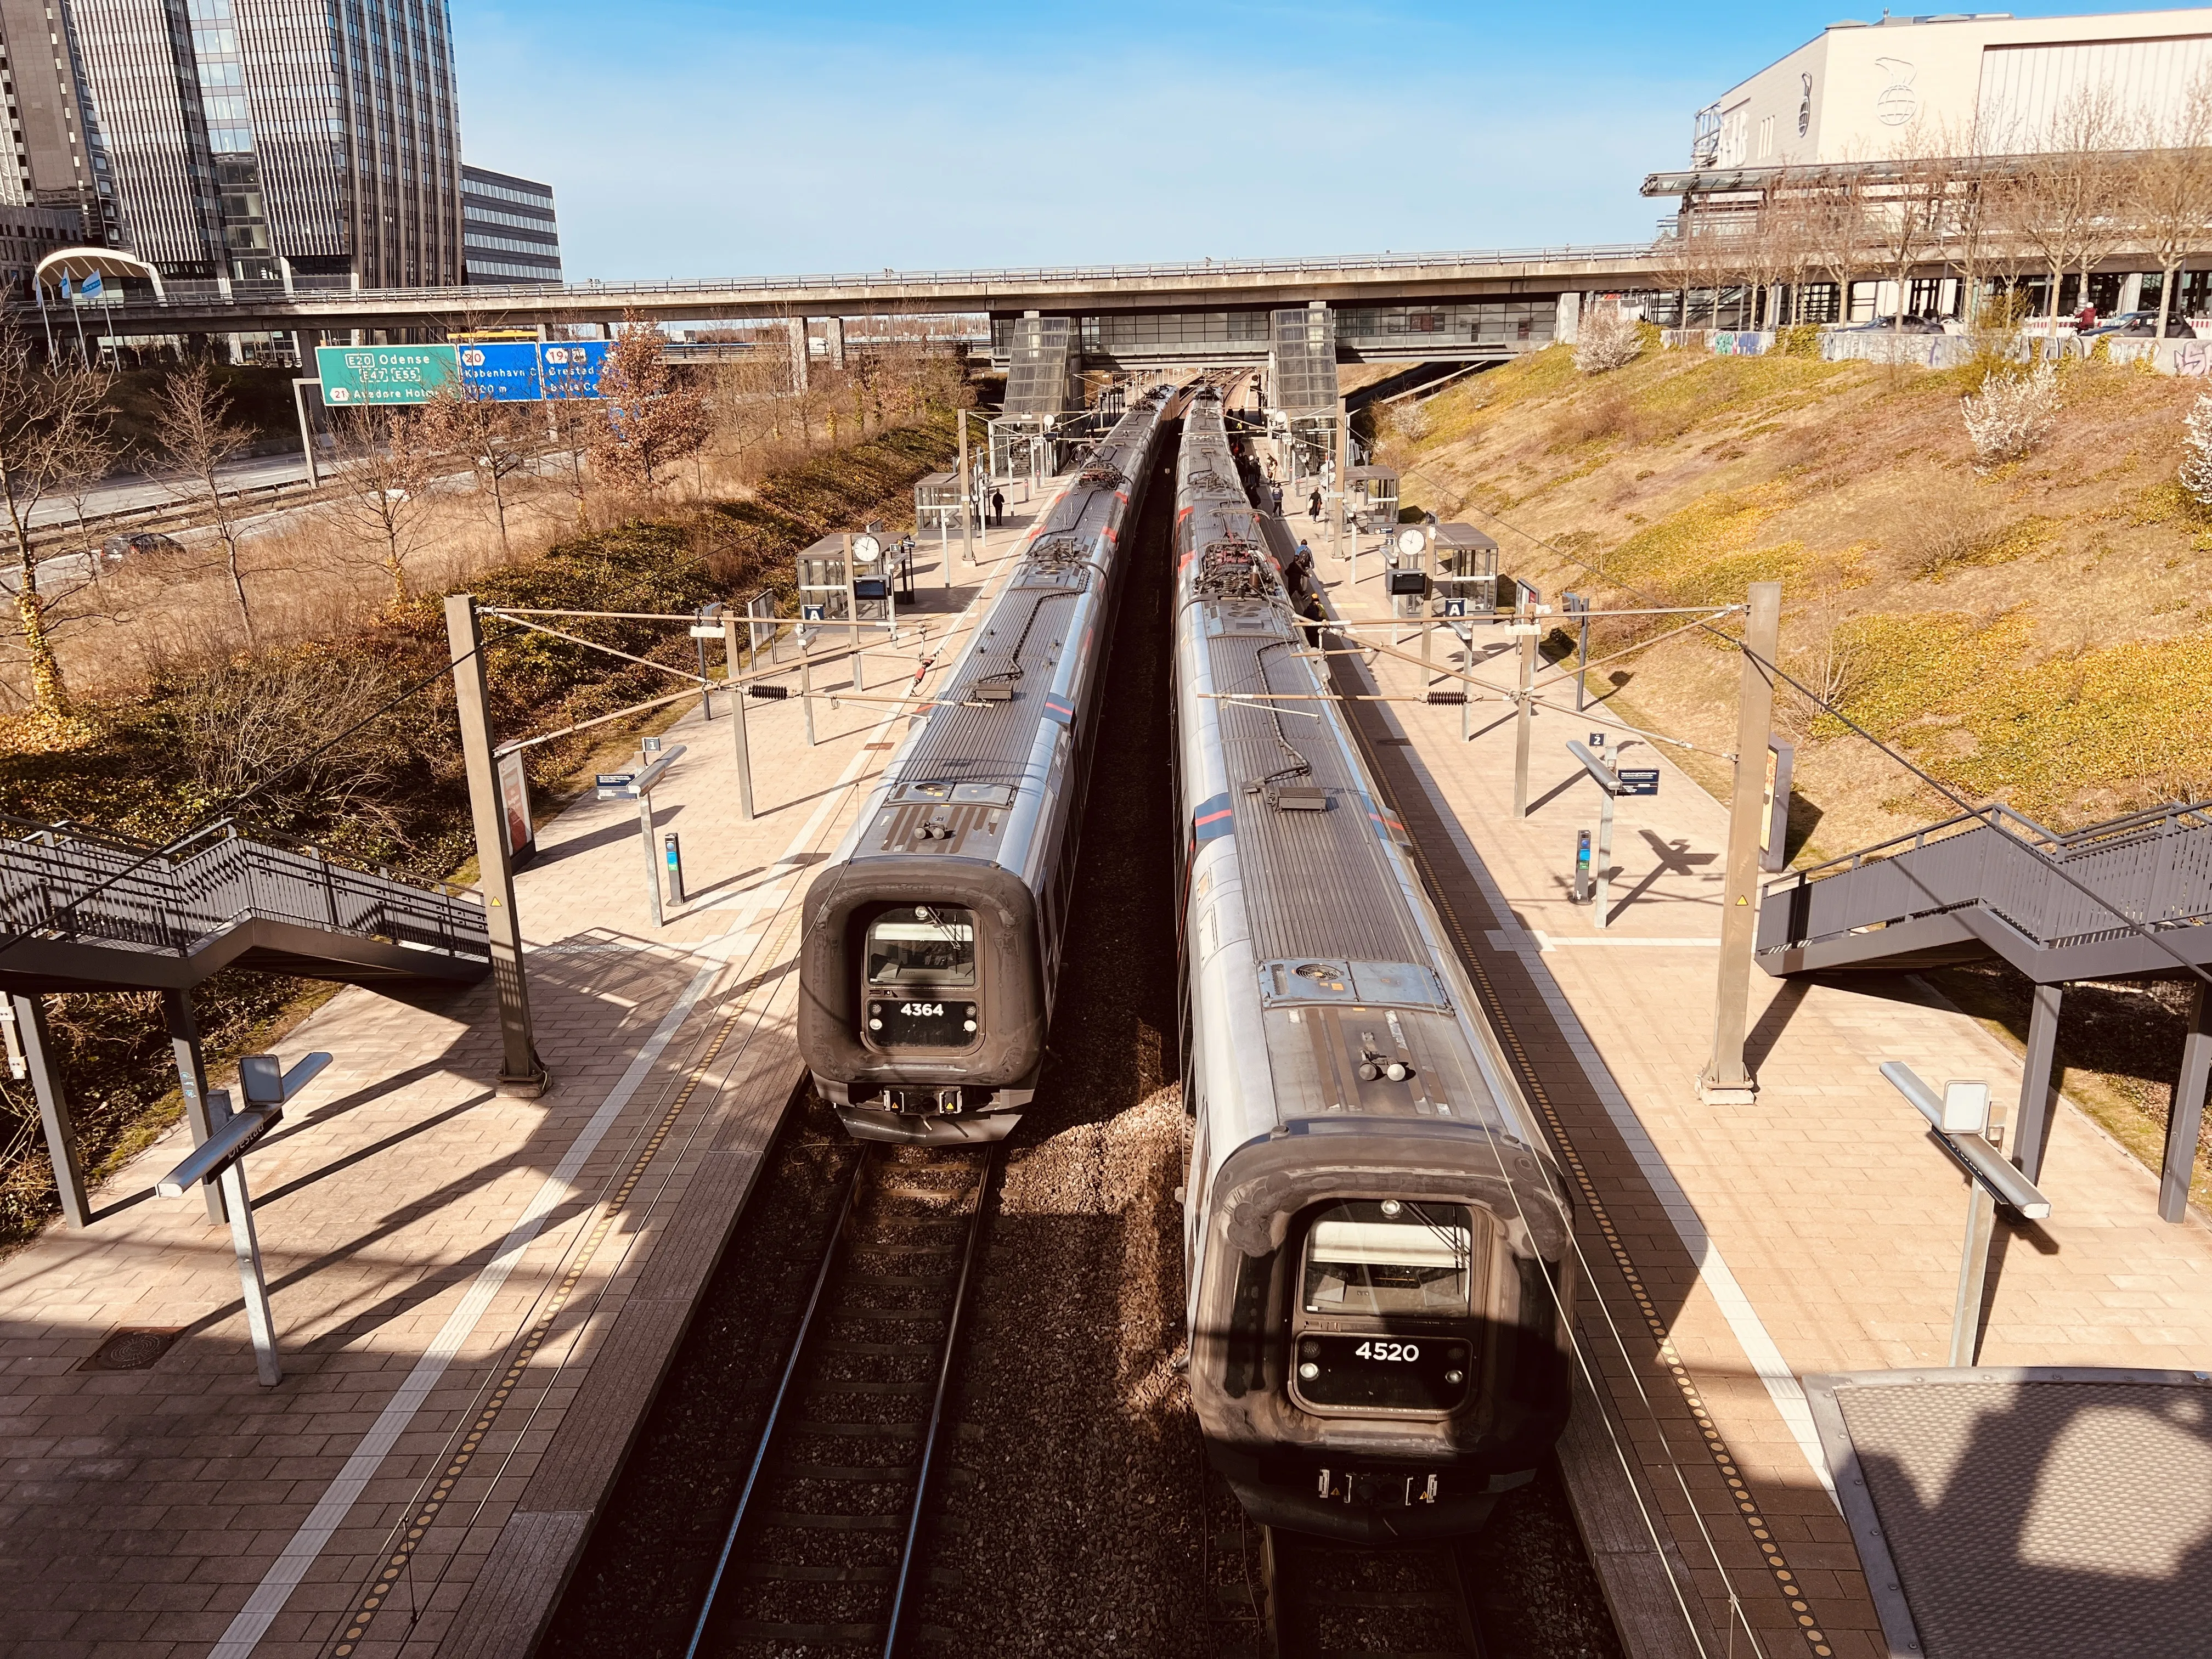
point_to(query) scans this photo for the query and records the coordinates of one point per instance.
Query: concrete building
(509, 230)
(1990, 83)
(300, 143)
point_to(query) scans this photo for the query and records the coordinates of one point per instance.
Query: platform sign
(353, 376)
(616, 786)
(504, 370)
(1639, 780)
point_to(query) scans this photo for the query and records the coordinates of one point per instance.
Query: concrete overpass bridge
(1429, 306)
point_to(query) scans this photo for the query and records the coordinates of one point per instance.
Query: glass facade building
(508, 231)
(307, 143)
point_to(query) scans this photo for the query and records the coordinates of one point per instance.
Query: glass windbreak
(922, 947)
(1384, 1256)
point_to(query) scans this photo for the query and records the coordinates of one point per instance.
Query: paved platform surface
(475, 1296)
(1732, 1250)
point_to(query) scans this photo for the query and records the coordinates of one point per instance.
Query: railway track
(823, 1550)
(1335, 1600)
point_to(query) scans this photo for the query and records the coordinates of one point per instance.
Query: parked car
(2139, 326)
(138, 543)
(1889, 326)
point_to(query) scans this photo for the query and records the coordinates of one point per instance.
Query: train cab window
(1382, 1257)
(922, 946)
(921, 989)
(1384, 1309)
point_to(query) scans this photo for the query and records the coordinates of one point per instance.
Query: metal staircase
(88, 911)
(1990, 884)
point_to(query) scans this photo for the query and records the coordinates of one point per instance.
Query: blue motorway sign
(505, 371)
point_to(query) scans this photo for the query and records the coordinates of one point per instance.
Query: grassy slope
(2041, 635)
(391, 791)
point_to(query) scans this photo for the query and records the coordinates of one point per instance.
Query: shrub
(2012, 414)
(1798, 340)
(2197, 452)
(1608, 339)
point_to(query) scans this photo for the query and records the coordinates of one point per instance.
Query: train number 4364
(922, 1010)
(1388, 1350)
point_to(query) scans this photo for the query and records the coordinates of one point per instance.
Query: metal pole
(1582, 656)
(1604, 870)
(306, 432)
(1973, 1273)
(253, 1284)
(1526, 715)
(192, 1080)
(805, 697)
(521, 1072)
(651, 859)
(53, 1108)
(2186, 1117)
(967, 515)
(706, 692)
(1725, 1080)
(736, 716)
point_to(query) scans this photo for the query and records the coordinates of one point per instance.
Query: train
(1377, 1238)
(934, 932)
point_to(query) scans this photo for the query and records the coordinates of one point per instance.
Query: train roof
(961, 768)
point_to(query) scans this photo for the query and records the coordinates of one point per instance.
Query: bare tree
(2064, 196)
(381, 495)
(492, 436)
(646, 420)
(53, 433)
(2169, 189)
(1836, 232)
(192, 427)
(1909, 220)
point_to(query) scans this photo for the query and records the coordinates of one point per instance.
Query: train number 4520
(922, 1010)
(1388, 1350)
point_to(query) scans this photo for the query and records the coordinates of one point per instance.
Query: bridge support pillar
(53, 1107)
(2187, 1117)
(2039, 1085)
(833, 337)
(798, 326)
(191, 1081)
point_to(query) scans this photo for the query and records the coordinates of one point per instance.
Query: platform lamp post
(222, 1158)
(737, 736)
(967, 515)
(1725, 1081)
(1972, 1130)
(520, 1073)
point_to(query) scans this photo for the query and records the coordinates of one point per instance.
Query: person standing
(998, 507)
(1313, 505)
(1275, 493)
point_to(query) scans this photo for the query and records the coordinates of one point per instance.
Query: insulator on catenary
(1452, 698)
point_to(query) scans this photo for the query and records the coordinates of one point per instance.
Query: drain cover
(133, 1348)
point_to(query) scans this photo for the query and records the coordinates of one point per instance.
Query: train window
(1384, 1256)
(922, 947)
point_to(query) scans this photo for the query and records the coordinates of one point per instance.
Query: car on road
(2139, 326)
(1911, 325)
(138, 543)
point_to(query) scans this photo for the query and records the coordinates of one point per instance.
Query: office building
(307, 143)
(1990, 83)
(507, 229)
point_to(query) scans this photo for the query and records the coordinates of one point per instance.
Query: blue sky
(691, 139)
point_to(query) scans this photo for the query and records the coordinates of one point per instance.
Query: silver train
(1376, 1237)
(934, 933)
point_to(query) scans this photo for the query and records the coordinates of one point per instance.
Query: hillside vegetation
(385, 783)
(2038, 634)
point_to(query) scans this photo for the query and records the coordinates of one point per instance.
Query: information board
(1639, 780)
(505, 371)
(355, 375)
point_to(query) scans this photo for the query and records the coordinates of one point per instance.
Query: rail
(2108, 881)
(64, 883)
(775, 1587)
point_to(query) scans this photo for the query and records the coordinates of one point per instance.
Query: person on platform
(1313, 505)
(998, 507)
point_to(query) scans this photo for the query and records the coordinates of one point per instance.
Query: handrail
(893, 281)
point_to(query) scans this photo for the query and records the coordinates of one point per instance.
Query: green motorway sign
(354, 375)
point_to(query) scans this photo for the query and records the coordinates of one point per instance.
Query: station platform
(1740, 1258)
(475, 1296)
